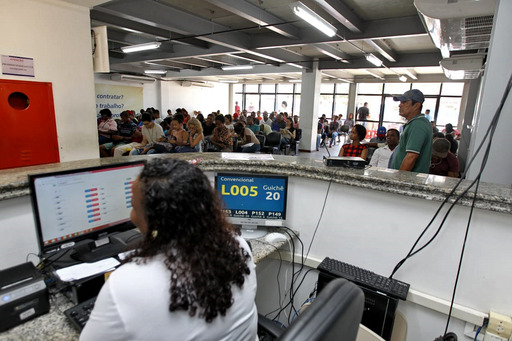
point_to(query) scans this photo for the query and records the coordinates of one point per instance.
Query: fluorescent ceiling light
(410, 74)
(402, 78)
(294, 80)
(228, 81)
(313, 19)
(374, 60)
(237, 67)
(141, 47)
(155, 72)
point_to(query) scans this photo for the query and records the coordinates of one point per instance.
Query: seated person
(454, 145)
(252, 125)
(278, 124)
(265, 129)
(195, 138)
(177, 137)
(221, 140)
(106, 126)
(247, 141)
(443, 162)
(127, 129)
(209, 124)
(228, 122)
(193, 276)
(288, 133)
(151, 133)
(382, 155)
(357, 134)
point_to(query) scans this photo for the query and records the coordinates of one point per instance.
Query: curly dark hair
(361, 131)
(186, 224)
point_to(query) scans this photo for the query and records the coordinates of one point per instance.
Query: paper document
(83, 270)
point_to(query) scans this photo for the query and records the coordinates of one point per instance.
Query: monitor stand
(253, 231)
(109, 246)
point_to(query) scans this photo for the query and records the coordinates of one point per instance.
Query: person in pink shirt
(106, 127)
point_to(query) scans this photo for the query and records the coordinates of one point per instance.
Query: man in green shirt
(415, 148)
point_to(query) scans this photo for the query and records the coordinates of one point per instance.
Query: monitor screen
(253, 201)
(70, 206)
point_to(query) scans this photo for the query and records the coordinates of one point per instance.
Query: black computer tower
(379, 309)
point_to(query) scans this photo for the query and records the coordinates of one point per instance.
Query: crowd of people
(181, 132)
(419, 147)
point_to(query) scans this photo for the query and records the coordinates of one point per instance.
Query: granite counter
(13, 182)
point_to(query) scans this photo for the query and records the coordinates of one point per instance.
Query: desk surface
(54, 326)
(493, 197)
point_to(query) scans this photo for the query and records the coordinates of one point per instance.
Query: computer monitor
(83, 209)
(253, 201)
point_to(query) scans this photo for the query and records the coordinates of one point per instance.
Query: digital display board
(256, 199)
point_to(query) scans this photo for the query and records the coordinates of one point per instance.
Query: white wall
(193, 98)
(373, 230)
(57, 36)
(497, 74)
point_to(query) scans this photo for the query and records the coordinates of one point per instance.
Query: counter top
(13, 182)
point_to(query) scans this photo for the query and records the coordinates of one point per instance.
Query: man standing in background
(363, 114)
(415, 148)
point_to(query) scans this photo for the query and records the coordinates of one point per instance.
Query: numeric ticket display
(253, 196)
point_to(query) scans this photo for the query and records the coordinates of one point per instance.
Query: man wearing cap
(443, 162)
(415, 148)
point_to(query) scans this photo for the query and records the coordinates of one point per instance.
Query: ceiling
(200, 36)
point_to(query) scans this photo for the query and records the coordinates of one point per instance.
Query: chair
(272, 143)
(262, 139)
(344, 132)
(294, 145)
(334, 315)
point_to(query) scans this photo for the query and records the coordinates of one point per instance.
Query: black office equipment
(381, 293)
(343, 161)
(23, 295)
(79, 314)
(335, 314)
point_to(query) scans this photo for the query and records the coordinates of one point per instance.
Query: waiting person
(151, 133)
(221, 140)
(415, 148)
(193, 276)
(209, 124)
(454, 145)
(266, 119)
(443, 162)
(355, 148)
(296, 121)
(333, 130)
(448, 129)
(363, 114)
(247, 141)
(127, 130)
(382, 155)
(265, 129)
(106, 126)
(288, 133)
(350, 121)
(178, 137)
(195, 138)
(279, 123)
(251, 124)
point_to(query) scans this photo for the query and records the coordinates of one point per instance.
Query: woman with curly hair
(193, 277)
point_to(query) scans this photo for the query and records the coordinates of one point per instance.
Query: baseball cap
(381, 131)
(440, 147)
(413, 94)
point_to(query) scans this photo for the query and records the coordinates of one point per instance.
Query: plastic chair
(272, 143)
(334, 315)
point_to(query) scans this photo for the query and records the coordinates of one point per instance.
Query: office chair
(272, 143)
(334, 315)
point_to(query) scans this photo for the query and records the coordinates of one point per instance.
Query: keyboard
(79, 314)
(365, 278)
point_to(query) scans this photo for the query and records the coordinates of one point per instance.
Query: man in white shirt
(151, 133)
(381, 156)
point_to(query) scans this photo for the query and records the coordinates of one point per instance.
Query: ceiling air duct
(457, 25)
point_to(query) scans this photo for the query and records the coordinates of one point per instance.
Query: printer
(23, 295)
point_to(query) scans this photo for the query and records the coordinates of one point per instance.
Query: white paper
(87, 269)
(246, 156)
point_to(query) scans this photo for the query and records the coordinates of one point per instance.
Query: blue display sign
(253, 196)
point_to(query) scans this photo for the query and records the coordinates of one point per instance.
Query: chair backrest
(334, 315)
(273, 139)
(344, 128)
(261, 138)
(298, 134)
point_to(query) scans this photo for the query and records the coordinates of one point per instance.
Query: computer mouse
(275, 237)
